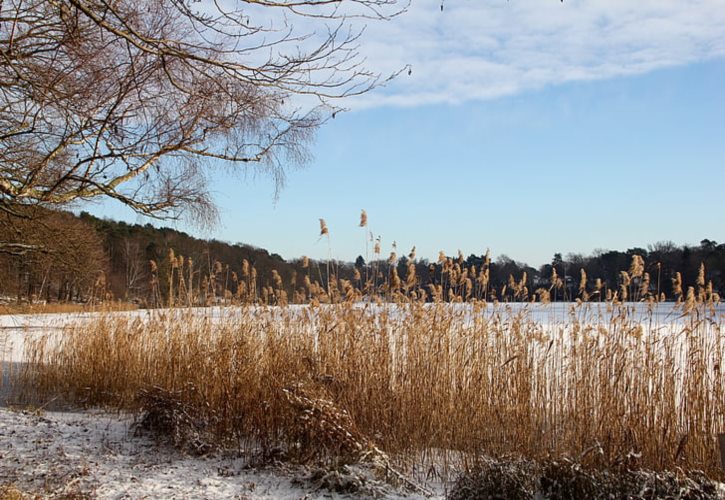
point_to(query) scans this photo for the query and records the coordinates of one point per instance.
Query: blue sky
(528, 132)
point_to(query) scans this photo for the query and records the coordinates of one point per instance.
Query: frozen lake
(16, 329)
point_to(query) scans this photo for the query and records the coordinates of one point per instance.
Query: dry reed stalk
(677, 286)
(172, 265)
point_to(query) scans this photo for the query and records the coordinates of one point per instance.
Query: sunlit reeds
(449, 363)
(419, 376)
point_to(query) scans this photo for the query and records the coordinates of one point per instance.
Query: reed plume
(636, 268)
(323, 228)
(677, 286)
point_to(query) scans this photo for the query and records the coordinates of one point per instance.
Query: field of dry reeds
(446, 371)
(609, 384)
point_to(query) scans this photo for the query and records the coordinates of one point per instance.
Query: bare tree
(134, 269)
(137, 99)
(70, 261)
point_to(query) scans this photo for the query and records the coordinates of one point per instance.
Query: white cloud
(482, 49)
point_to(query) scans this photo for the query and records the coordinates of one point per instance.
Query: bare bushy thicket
(508, 479)
(64, 260)
(336, 380)
(168, 415)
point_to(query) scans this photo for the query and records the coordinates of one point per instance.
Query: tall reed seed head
(410, 278)
(625, 278)
(276, 278)
(644, 285)
(690, 301)
(636, 268)
(701, 275)
(556, 282)
(323, 229)
(363, 218)
(394, 278)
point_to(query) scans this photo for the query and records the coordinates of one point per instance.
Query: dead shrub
(498, 480)
(322, 429)
(170, 416)
(566, 479)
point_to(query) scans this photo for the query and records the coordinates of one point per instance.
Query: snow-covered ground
(58, 454)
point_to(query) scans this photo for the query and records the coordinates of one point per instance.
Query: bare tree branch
(136, 100)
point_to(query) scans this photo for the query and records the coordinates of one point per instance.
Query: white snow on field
(60, 454)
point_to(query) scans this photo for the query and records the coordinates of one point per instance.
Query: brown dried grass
(65, 307)
(413, 377)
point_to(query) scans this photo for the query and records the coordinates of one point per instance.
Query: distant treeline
(83, 258)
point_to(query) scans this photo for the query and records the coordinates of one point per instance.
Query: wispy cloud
(482, 49)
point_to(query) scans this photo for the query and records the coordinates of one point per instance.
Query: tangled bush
(567, 479)
(321, 429)
(168, 415)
